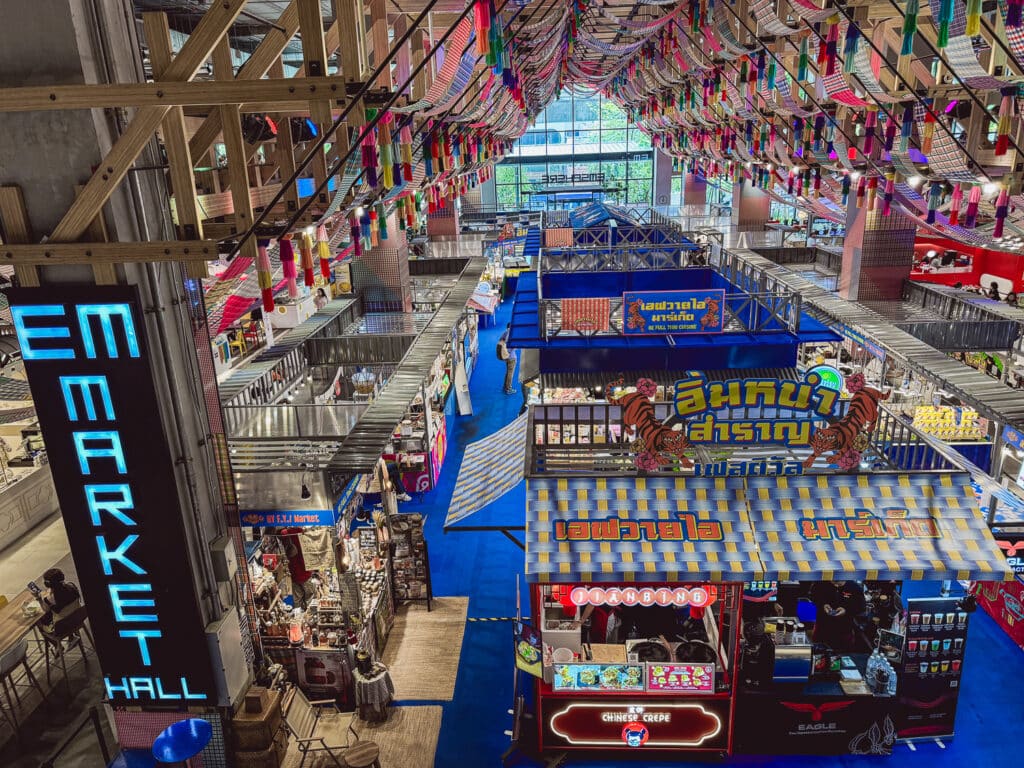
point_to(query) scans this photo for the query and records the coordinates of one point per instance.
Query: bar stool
(362, 754)
(68, 630)
(181, 741)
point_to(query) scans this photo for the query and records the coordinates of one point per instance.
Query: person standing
(839, 603)
(510, 358)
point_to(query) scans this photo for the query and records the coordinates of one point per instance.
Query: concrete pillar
(662, 179)
(878, 253)
(695, 190)
(750, 207)
(443, 223)
(381, 274)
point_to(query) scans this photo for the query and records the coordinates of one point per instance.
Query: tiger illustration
(656, 444)
(710, 318)
(634, 320)
(840, 438)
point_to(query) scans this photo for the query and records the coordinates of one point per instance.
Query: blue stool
(182, 740)
(806, 611)
(134, 758)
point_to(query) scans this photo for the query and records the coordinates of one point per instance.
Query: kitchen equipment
(562, 655)
(792, 663)
(647, 650)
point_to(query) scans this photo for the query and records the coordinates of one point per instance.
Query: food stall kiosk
(637, 587)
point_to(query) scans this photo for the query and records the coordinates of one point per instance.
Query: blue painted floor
(486, 566)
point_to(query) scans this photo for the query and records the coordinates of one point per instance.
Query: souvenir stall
(322, 585)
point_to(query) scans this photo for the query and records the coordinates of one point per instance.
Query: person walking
(510, 358)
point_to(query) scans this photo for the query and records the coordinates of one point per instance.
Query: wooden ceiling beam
(293, 92)
(112, 169)
(38, 254)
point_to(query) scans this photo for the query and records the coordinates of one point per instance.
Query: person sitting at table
(61, 599)
(839, 603)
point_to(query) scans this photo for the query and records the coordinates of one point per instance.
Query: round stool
(362, 754)
(182, 740)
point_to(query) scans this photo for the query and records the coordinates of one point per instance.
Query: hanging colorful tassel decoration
(1014, 14)
(264, 275)
(890, 134)
(906, 127)
(382, 221)
(1005, 120)
(369, 150)
(973, 28)
(482, 25)
(770, 85)
(889, 193)
(357, 238)
(287, 254)
(817, 181)
(945, 19)
(954, 205)
(801, 71)
(385, 148)
(973, 201)
(872, 192)
(861, 187)
(323, 250)
(306, 250)
(832, 47)
(934, 198)
(1002, 208)
(909, 28)
(846, 189)
(405, 150)
(870, 121)
(928, 131)
(850, 48)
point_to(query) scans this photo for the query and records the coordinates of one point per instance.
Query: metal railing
(358, 348)
(616, 258)
(744, 313)
(287, 420)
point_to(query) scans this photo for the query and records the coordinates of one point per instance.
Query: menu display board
(595, 678)
(680, 678)
(932, 665)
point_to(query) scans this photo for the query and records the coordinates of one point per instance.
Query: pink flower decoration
(646, 387)
(646, 461)
(855, 382)
(849, 460)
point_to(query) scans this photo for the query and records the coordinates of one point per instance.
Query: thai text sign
(86, 357)
(890, 524)
(798, 405)
(673, 312)
(686, 528)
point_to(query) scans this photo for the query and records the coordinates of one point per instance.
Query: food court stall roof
(918, 526)
(651, 529)
(912, 526)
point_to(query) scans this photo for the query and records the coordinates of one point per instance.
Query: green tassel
(801, 73)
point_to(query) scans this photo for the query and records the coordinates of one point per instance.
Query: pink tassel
(954, 205)
(1002, 208)
(288, 265)
(973, 201)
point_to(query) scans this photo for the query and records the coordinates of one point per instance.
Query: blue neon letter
(85, 384)
(105, 312)
(112, 507)
(114, 452)
(142, 635)
(25, 334)
(119, 603)
(106, 556)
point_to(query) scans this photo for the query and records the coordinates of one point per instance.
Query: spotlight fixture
(303, 130)
(257, 128)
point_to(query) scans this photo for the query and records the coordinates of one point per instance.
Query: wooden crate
(253, 731)
(271, 757)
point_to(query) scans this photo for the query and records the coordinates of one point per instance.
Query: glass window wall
(580, 149)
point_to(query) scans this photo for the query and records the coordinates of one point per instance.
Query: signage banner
(1013, 437)
(858, 338)
(763, 468)
(657, 313)
(529, 649)
(581, 723)
(87, 361)
(775, 724)
(933, 656)
(281, 518)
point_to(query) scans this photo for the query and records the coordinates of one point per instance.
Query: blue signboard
(1013, 437)
(287, 518)
(673, 312)
(858, 338)
(87, 362)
